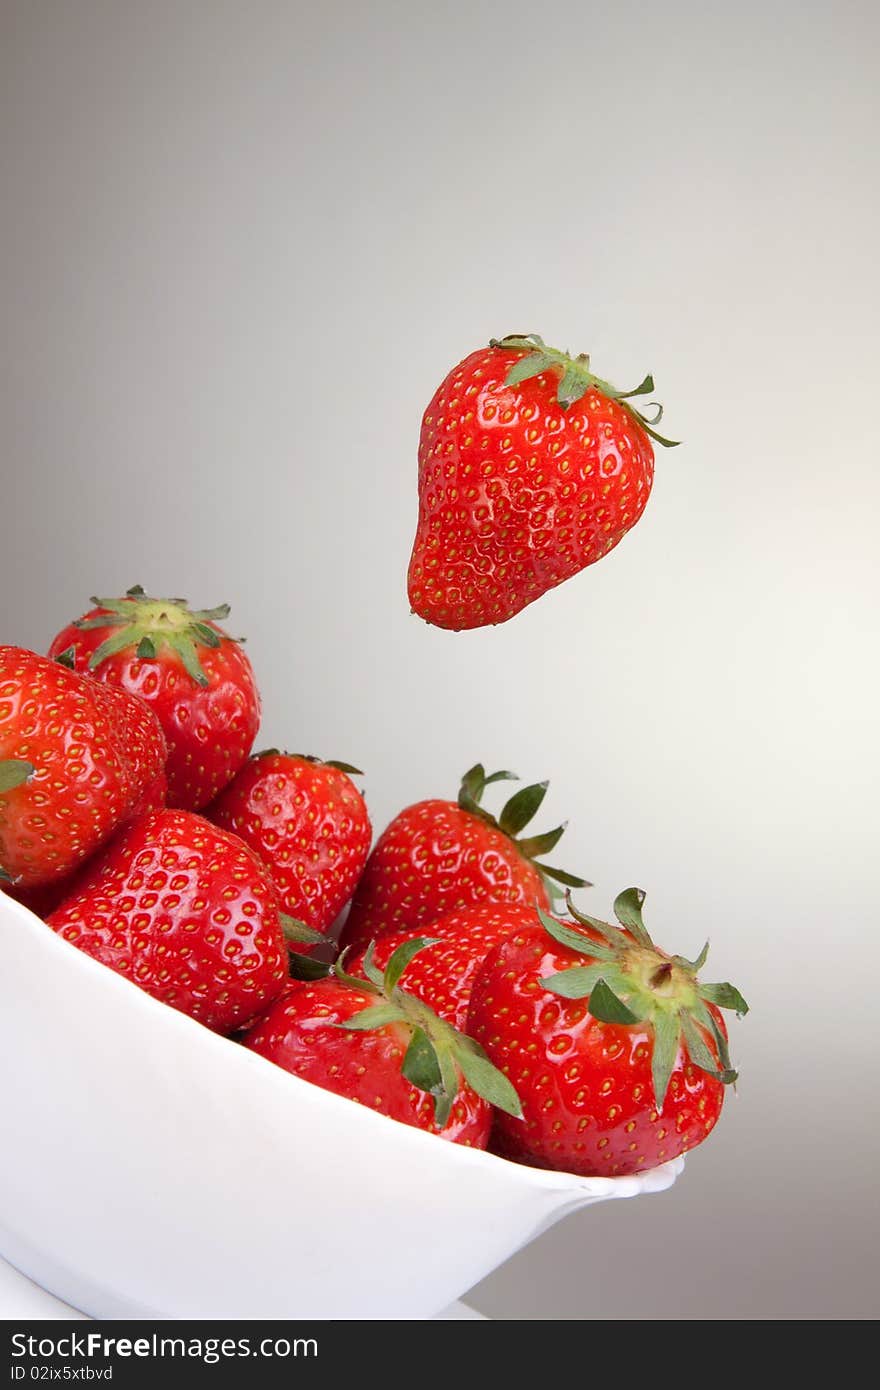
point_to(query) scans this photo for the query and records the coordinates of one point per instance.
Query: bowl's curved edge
(554, 1180)
(66, 1284)
(498, 1206)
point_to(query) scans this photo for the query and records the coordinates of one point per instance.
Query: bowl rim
(191, 1032)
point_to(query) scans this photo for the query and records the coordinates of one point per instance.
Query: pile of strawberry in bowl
(441, 977)
(136, 821)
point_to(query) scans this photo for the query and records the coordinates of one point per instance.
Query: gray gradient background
(242, 243)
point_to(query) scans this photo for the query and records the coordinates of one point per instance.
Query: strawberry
(185, 911)
(437, 856)
(618, 1053)
(76, 760)
(307, 822)
(192, 674)
(530, 469)
(373, 1042)
(443, 974)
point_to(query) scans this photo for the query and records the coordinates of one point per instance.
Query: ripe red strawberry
(192, 674)
(186, 912)
(437, 856)
(307, 822)
(373, 1042)
(530, 469)
(618, 1053)
(443, 974)
(76, 760)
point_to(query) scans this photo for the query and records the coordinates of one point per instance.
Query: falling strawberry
(443, 974)
(617, 1051)
(530, 469)
(76, 761)
(185, 911)
(307, 822)
(437, 856)
(373, 1042)
(192, 674)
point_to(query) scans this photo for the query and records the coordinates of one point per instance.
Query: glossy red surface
(301, 1034)
(443, 975)
(210, 730)
(309, 825)
(432, 859)
(515, 493)
(585, 1086)
(186, 912)
(98, 757)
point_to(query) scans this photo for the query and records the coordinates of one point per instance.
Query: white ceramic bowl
(152, 1169)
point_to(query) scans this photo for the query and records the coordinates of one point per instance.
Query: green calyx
(515, 816)
(438, 1056)
(150, 625)
(14, 772)
(630, 981)
(297, 934)
(307, 968)
(347, 768)
(575, 379)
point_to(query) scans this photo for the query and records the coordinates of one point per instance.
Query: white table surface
(21, 1298)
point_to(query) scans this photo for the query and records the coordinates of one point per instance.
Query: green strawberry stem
(14, 772)
(515, 816)
(310, 758)
(438, 1055)
(150, 624)
(575, 379)
(629, 981)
